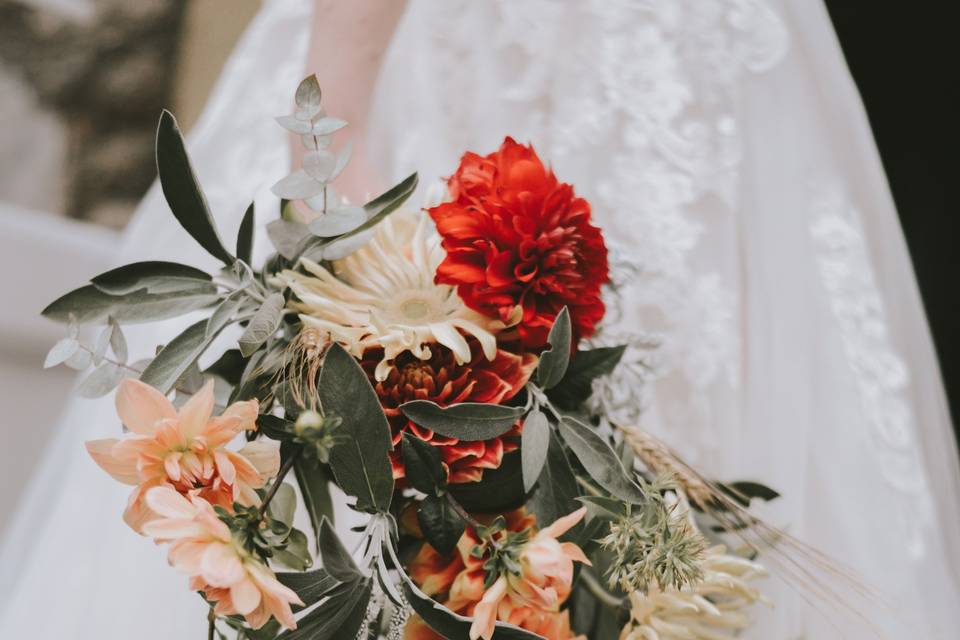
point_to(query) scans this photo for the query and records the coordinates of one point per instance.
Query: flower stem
(211, 627)
(598, 591)
(272, 491)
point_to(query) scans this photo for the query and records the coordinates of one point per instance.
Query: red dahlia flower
(441, 380)
(514, 235)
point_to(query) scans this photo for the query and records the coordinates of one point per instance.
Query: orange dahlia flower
(530, 599)
(515, 235)
(440, 379)
(202, 547)
(184, 450)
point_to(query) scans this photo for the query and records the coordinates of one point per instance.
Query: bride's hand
(347, 45)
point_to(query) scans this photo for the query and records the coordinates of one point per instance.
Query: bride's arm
(347, 45)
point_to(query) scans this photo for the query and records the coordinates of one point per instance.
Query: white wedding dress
(728, 158)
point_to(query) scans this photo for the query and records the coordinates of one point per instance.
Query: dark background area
(904, 57)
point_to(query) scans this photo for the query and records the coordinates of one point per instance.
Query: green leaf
(465, 421)
(154, 276)
(283, 505)
(600, 461)
(287, 237)
(337, 618)
(554, 361)
(744, 491)
(61, 352)
(534, 441)
(315, 488)
(90, 305)
(361, 461)
(175, 358)
(376, 210)
(118, 342)
(264, 324)
(307, 97)
(501, 489)
(385, 204)
(441, 525)
(604, 508)
(336, 559)
(295, 554)
(245, 235)
(577, 385)
(101, 381)
(275, 428)
(423, 465)
(311, 586)
(557, 491)
(224, 313)
(183, 193)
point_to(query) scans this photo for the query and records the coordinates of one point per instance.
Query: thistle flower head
(657, 545)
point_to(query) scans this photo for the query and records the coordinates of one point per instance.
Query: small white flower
(384, 295)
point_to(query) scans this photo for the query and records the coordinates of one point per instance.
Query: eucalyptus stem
(272, 491)
(599, 591)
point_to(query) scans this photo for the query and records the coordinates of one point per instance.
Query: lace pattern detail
(638, 106)
(881, 375)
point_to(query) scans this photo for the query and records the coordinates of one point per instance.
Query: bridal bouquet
(434, 366)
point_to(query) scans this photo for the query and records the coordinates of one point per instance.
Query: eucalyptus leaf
(299, 185)
(423, 465)
(177, 357)
(554, 361)
(61, 352)
(101, 381)
(577, 385)
(154, 276)
(319, 164)
(80, 360)
(534, 441)
(360, 462)
(245, 235)
(287, 237)
(90, 305)
(557, 489)
(326, 126)
(263, 325)
(345, 245)
(295, 554)
(183, 193)
(103, 342)
(118, 342)
(600, 461)
(342, 159)
(307, 96)
(465, 421)
(294, 124)
(337, 221)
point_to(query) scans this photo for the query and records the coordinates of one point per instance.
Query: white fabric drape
(727, 154)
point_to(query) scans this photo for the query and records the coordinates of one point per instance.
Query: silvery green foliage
(320, 165)
(108, 355)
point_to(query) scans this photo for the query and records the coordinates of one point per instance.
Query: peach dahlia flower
(184, 450)
(203, 548)
(530, 599)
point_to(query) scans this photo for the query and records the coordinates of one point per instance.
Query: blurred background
(82, 83)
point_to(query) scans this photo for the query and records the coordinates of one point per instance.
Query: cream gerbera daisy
(384, 295)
